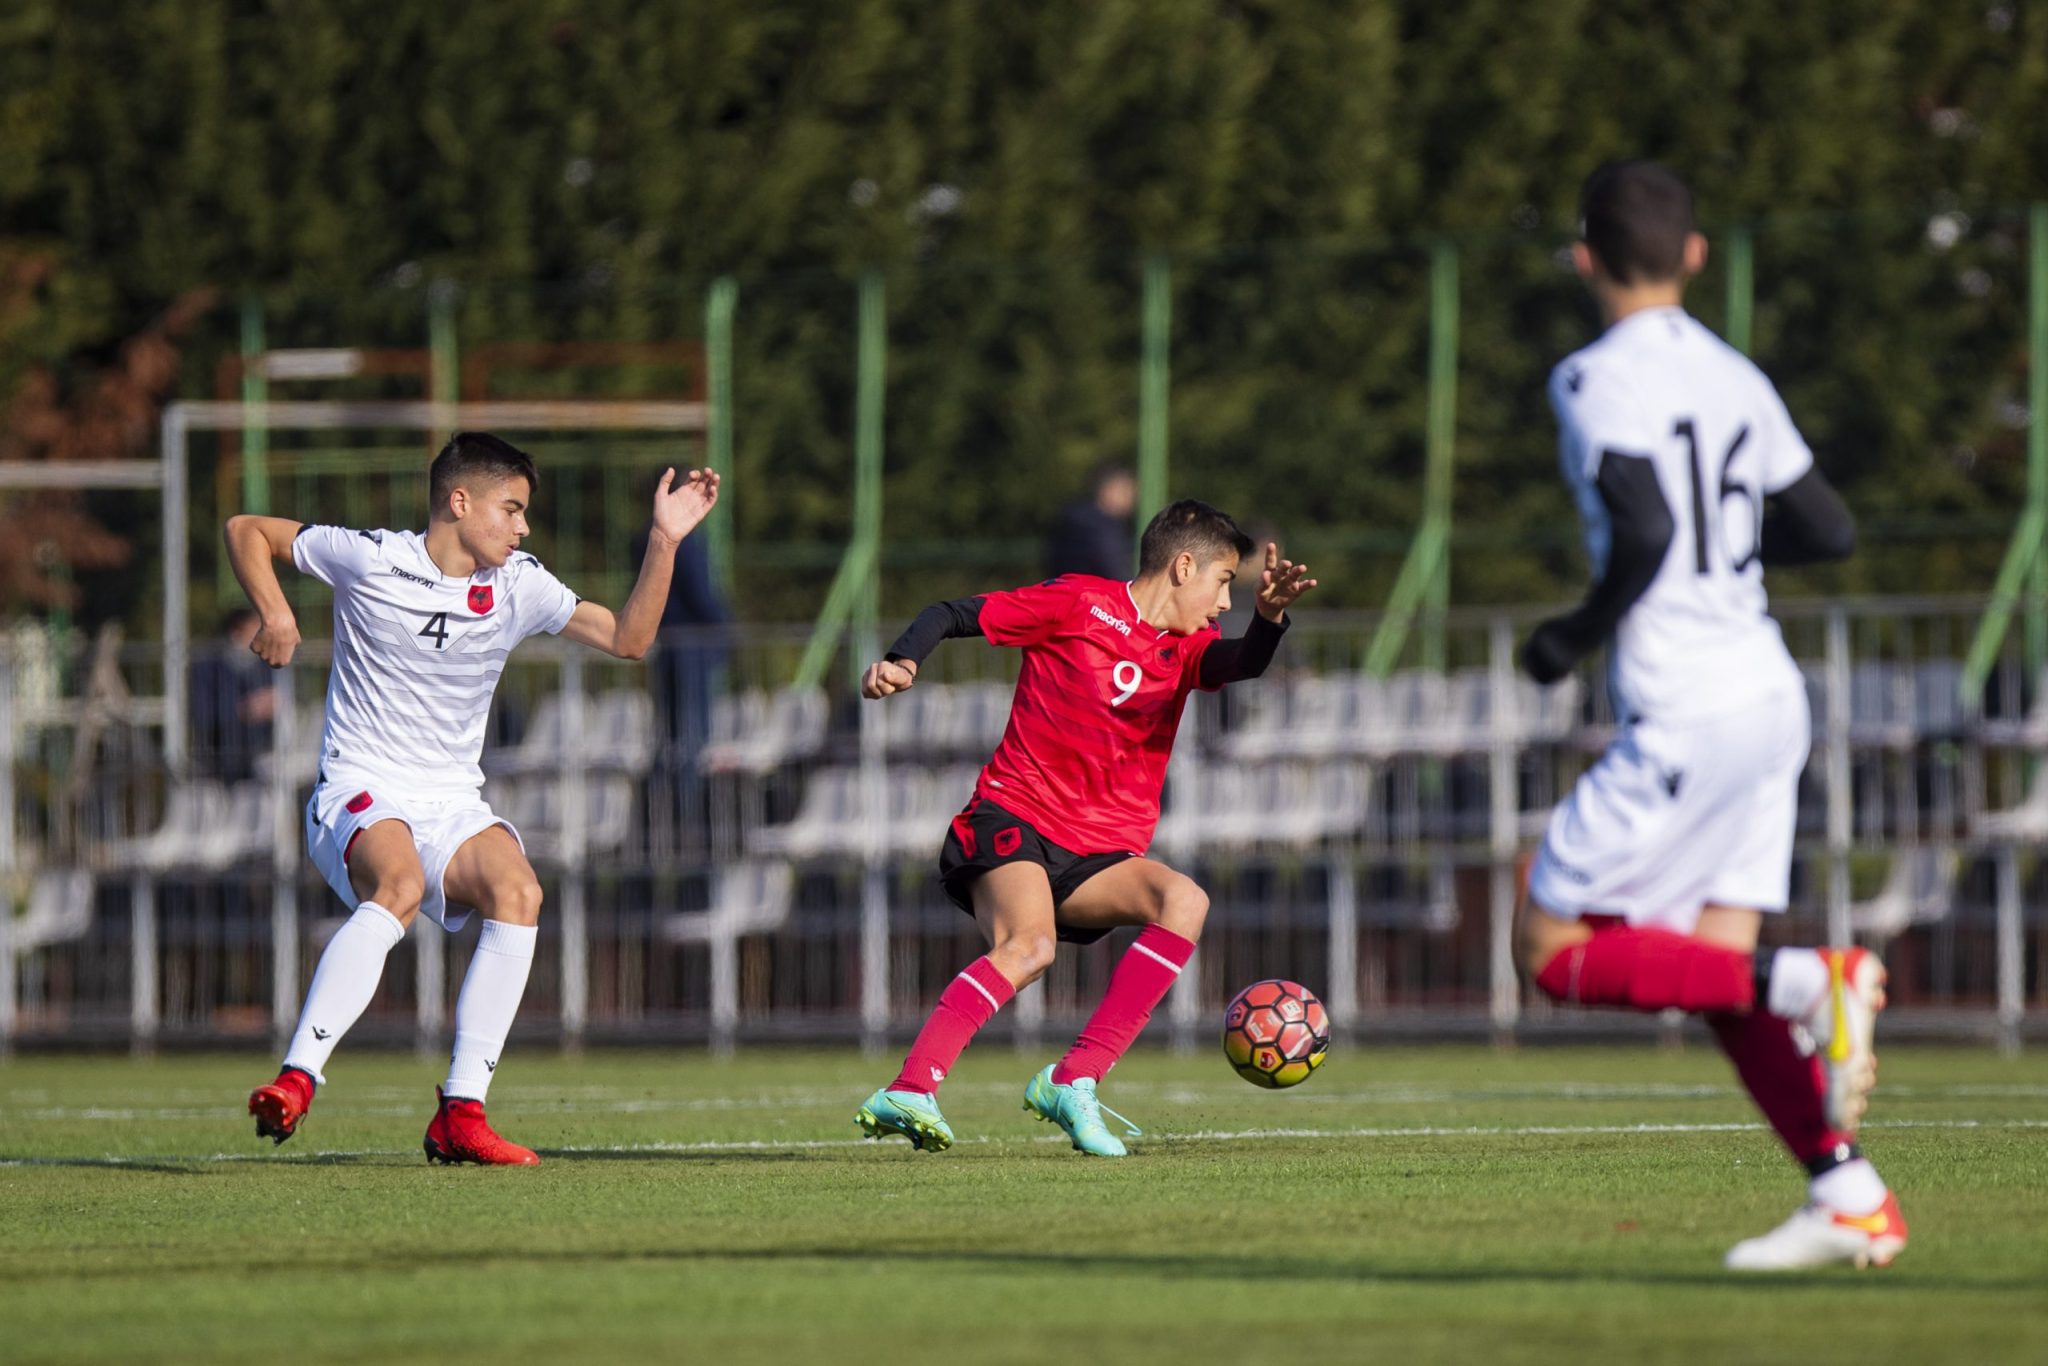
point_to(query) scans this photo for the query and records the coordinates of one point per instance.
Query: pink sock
(1786, 1084)
(968, 1002)
(1650, 970)
(1148, 967)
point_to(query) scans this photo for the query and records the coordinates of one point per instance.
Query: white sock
(1799, 978)
(1853, 1188)
(490, 998)
(343, 983)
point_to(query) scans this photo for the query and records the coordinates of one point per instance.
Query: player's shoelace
(1092, 1109)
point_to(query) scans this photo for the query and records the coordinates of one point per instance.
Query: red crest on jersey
(1006, 841)
(359, 803)
(480, 598)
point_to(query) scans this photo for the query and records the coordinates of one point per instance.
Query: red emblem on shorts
(480, 598)
(359, 803)
(1006, 841)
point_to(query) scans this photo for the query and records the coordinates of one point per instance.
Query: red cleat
(280, 1106)
(460, 1133)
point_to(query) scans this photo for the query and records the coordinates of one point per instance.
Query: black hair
(480, 457)
(236, 617)
(1635, 217)
(1192, 525)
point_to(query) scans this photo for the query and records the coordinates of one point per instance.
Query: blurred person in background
(1095, 535)
(234, 701)
(689, 656)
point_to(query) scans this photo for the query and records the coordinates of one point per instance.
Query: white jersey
(1700, 641)
(417, 654)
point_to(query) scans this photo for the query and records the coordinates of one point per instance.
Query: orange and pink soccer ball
(1276, 1033)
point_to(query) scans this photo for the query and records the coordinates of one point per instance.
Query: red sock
(1148, 967)
(1650, 970)
(968, 1002)
(1786, 1086)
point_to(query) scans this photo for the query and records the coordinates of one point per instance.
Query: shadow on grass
(169, 1166)
(1221, 1266)
(762, 1154)
(209, 1166)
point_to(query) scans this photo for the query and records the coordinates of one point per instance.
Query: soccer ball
(1276, 1033)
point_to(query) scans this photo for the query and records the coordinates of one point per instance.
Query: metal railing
(727, 857)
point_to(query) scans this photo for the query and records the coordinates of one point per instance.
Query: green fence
(902, 432)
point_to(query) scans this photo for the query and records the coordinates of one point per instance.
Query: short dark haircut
(476, 458)
(1192, 525)
(1635, 216)
(235, 618)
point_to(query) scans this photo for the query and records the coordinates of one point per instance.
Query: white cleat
(1818, 1236)
(1843, 1024)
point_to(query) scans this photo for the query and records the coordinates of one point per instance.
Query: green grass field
(1440, 1204)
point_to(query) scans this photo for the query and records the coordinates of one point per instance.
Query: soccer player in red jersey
(1052, 845)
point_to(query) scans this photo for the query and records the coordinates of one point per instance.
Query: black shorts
(985, 836)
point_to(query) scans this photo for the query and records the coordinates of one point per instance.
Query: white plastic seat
(757, 733)
(59, 910)
(621, 727)
(536, 807)
(1937, 698)
(1881, 705)
(752, 896)
(1468, 713)
(193, 814)
(1919, 890)
(829, 804)
(1417, 707)
(2023, 824)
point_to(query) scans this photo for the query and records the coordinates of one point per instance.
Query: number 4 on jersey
(436, 630)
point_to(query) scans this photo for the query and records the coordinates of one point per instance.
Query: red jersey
(1098, 702)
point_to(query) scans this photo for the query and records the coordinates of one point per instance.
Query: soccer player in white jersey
(1657, 869)
(422, 626)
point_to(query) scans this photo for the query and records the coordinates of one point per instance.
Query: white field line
(388, 1102)
(714, 1146)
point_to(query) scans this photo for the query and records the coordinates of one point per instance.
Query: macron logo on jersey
(408, 574)
(1106, 619)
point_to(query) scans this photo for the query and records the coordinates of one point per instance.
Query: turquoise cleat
(910, 1113)
(1075, 1109)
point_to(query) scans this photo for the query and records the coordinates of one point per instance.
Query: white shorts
(1674, 817)
(342, 808)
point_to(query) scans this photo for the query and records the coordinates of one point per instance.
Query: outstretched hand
(886, 676)
(1282, 582)
(680, 505)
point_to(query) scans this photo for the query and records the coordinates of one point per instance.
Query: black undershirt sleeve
(1806, 522)
(940, 621)
(1233, 661)
(1641, 529)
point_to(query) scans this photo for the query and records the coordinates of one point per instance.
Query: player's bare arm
(254, 544)
(678, 509)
